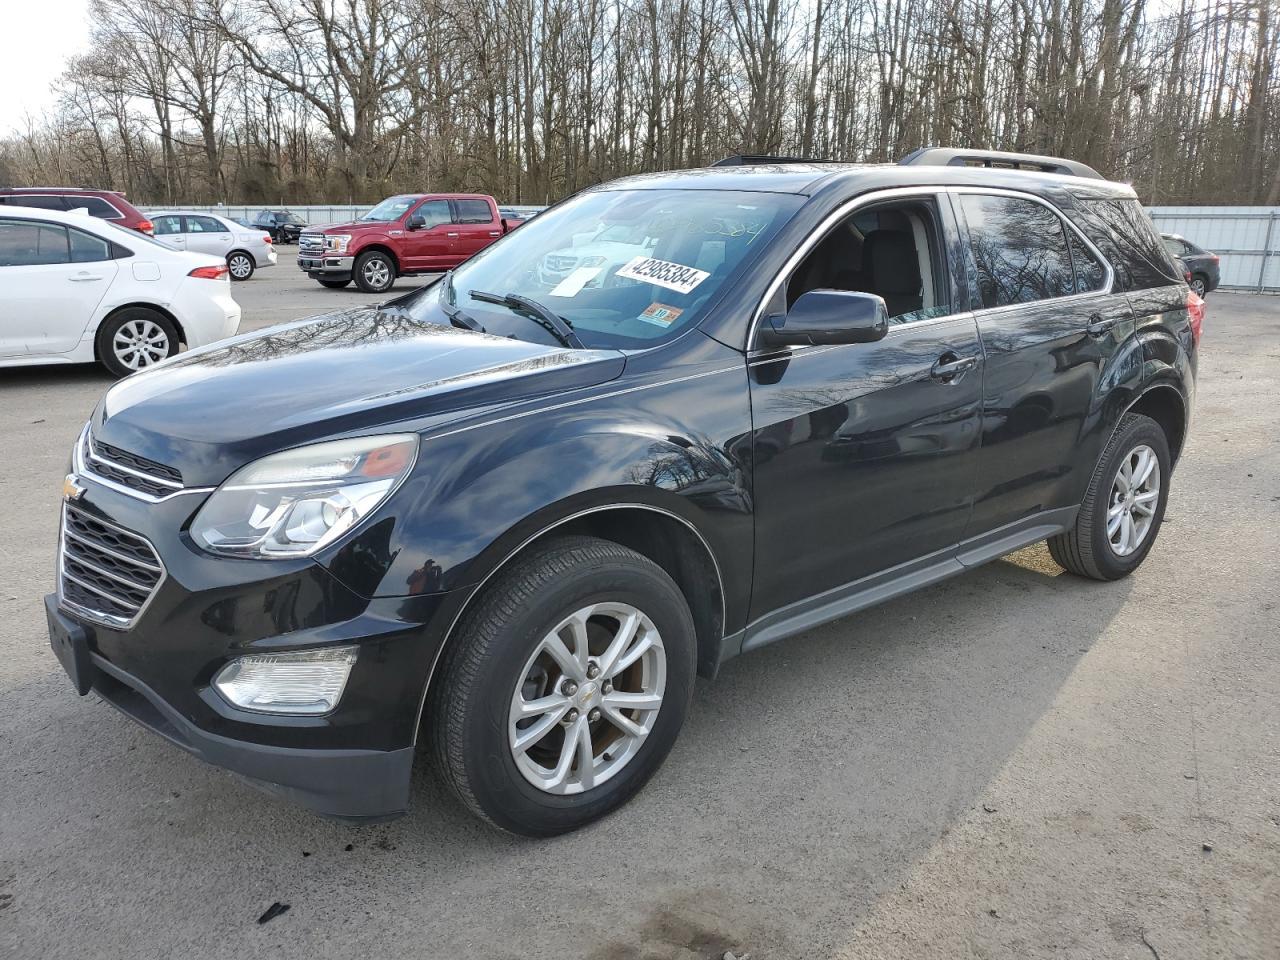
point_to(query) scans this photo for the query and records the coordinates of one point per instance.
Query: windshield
(392, 208)
(626, 268)
(293, 218)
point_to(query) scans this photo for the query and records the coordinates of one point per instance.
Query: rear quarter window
(1125, 234)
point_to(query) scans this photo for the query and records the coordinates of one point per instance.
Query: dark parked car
(284, 227)
(510, 524)
(103, 204)
(1203, 266)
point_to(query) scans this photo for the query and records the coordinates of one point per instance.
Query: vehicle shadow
(809, 779)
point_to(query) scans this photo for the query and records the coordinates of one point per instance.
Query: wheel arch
(1165, 404)
(139, 305)
(377, 247)
(668, 539)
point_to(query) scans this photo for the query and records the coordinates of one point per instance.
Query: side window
(169, 224)
(473, 211)
(1174, 246)
(86, 248)
(891, 249)
(1136, 248)
(96, 206)
(27, 244)
(435, 212)
(1090, 273)
(37, 200)
(204, 225)
(1019, 249)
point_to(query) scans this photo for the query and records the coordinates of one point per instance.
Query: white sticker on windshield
(574, 282)
(663, 273)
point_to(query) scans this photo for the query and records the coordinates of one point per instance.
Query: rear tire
(1200, 284)
(1113, 532)
(333, 284)
(499, 665)
(134, 339)
(240, 264)
(375, 272)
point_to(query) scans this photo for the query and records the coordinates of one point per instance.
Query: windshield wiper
(456, 314)
(541, 314)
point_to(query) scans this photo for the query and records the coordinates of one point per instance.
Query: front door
(169, 231)
(865, 455)
(428, 247)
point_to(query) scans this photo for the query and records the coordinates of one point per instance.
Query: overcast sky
(40, 35)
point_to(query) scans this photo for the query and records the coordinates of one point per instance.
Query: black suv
(672, 419)
(285, 227)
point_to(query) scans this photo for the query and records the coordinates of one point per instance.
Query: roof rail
(746, 160)
(953, 157)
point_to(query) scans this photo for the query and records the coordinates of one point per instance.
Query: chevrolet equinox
(673, 419)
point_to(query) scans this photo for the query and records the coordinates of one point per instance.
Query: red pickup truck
(403, 235)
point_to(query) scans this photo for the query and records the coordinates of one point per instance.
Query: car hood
(355, 226)
(209, 411)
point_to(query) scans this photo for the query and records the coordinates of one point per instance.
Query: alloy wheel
(240, 266)
(1135, 495)
(140, 343)
(1198, 286)
(587, 698)
(377, 273)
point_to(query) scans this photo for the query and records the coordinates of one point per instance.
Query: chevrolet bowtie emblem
(70, 489)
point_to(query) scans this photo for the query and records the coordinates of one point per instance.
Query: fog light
(307, 681)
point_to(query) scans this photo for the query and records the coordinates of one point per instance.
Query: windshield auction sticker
(663, 273)
(660, 315)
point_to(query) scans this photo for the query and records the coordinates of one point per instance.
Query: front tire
(375, 272)
(1124, 506)
(565, 688)
(240, 264)
(134, 339)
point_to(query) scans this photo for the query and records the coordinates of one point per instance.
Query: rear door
(1052, 329)
(475, 225)
(207, 235)
(53, 280)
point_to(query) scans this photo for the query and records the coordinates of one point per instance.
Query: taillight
(217, 272)
(266, 238)
(147, 227)
(1215, 257)
(1195, 310)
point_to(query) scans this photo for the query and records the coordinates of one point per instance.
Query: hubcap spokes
(1135, 494)
(376, 273)
(240, 266)
(587, 698)
(140, 343)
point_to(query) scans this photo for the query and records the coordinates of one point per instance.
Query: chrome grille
(106, 573)
(129, 470)
(560, 264)
(311, 243)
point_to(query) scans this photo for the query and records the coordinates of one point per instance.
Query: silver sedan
(245, 249)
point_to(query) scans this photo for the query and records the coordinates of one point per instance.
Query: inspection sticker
(673, 276)
(660, 315)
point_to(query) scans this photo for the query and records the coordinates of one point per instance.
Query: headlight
(337, 243)
(590, 261)
(304, 681)
(292, 504)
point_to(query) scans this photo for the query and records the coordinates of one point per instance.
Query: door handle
(949, 367)
(495, 233)
(85, 277)
(451, 234)
(1098, 325)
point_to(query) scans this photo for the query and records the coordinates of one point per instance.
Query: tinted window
(1176, 247)
(473, 211)
(96, 206)
(86, 248)
(169, 224)
(435, 212)
(1125, 234)
(204, 225)
(265, 218)
(1019, 248)
(40, 202)
(1090, 272)
(24, 243)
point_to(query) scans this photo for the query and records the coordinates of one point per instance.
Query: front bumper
(325, 265)
(353, 762)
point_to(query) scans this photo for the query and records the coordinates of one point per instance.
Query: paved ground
(1013, 764)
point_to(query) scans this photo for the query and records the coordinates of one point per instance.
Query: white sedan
(245, 249)
(74, 289)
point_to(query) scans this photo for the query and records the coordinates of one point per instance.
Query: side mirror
(827, 316)
(415, 222)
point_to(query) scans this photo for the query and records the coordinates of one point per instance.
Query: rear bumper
(325, 266)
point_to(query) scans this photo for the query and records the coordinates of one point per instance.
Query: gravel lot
(1015, 763)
